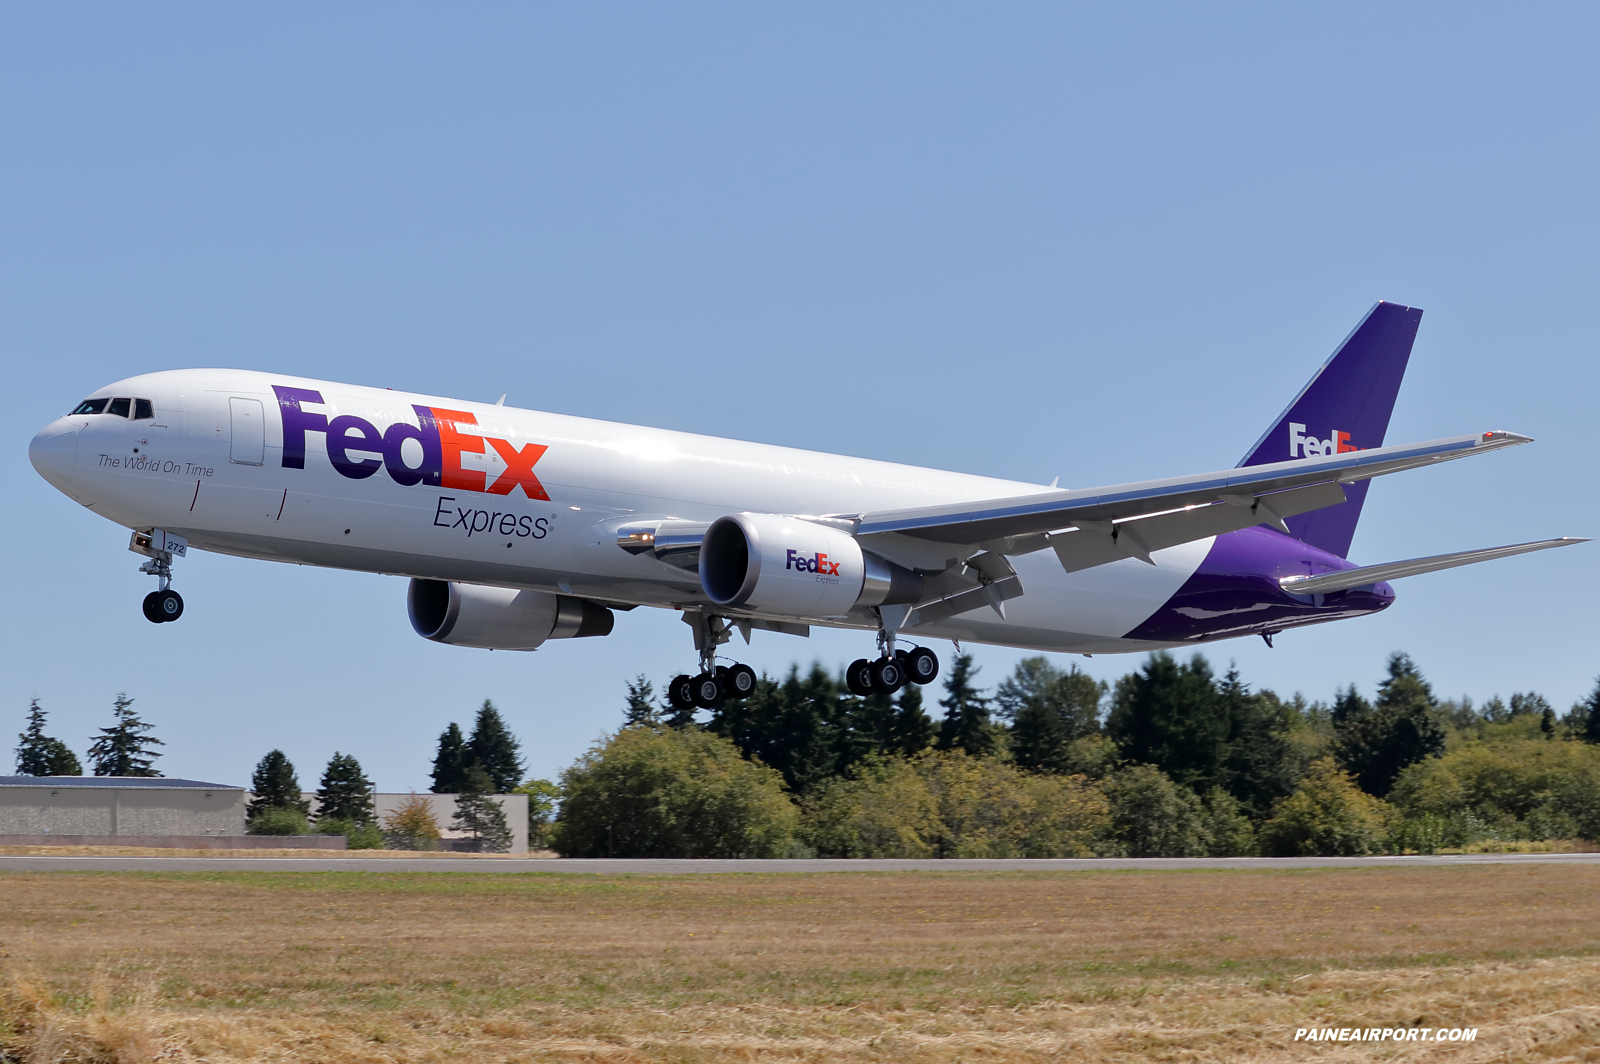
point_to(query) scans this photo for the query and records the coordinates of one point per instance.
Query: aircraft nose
(54, 452)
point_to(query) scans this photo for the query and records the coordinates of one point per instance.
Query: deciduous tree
(544, 797)
(1326, 816)
(1152, 816)
(411, 825)
(663, 792)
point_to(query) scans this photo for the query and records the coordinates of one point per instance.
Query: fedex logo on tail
(816, 563)
(1303, 446)
(428, 452)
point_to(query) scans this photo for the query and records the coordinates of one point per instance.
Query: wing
(1344, 579)
(1093, 526)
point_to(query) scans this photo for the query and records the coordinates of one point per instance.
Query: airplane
(516, 527)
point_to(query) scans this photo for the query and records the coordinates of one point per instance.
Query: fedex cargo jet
(516, 526)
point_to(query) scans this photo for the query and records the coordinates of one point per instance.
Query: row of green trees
(1171, 760)
(126, 748)
(487, 763)
(345, 807)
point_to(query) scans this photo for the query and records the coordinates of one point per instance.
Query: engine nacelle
(796, 568)
(500, 618)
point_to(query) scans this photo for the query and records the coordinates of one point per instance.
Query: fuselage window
(142, 409)
(118, 407)
(92, 406)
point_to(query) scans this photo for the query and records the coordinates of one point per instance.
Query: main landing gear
(715, 683)
(163, 604)
(891, 672)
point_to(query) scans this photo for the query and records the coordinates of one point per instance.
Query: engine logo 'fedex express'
(1303, 446)
(437, 451)
(817, 563)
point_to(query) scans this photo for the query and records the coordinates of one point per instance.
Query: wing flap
(1029, 515)
(1344, 579)
(1092, 544)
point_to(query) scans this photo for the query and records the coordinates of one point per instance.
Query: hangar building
(118, 805)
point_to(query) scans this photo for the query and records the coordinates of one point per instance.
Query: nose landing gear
(163, 604)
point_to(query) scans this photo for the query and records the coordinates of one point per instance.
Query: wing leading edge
(1092, 526)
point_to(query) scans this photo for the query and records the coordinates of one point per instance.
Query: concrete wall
(443, 808)
(121, 811)
(186, 842)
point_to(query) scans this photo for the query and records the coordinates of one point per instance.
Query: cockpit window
(92, 406)
(142, 409)
(119, 407)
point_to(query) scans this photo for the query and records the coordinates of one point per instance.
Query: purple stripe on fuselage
(1235, 591)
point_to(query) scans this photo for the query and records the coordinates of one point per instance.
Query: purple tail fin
(1345, 407)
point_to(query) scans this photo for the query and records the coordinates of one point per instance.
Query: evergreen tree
(276, 786)
(1258, 765)
(966, 725)
(1173, 717)
(345, 794)
(641, 709)
(479, 815)
(124, 748)
(1586, 716)
(494, 748)
(1039, 740)
(450, 764)
(1530, 704)
(1049, 710)
(41, 755)
(1375, 742)
(911, 730)
(801, 727)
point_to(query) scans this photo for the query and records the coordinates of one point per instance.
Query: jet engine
(500, 618)
(796, 568)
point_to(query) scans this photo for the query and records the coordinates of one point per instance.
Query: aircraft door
(249, 431)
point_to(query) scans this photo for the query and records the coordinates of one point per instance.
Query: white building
(118, 805)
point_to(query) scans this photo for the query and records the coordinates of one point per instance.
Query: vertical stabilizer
(1345, 407)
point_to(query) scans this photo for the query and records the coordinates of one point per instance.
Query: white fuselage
(202, 469)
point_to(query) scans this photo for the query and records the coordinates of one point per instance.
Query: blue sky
(1100, 243)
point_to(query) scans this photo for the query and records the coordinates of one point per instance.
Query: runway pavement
(617, 866)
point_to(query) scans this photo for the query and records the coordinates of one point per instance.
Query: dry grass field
(915, 967)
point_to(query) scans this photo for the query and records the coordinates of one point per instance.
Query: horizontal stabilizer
(1325, 583)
